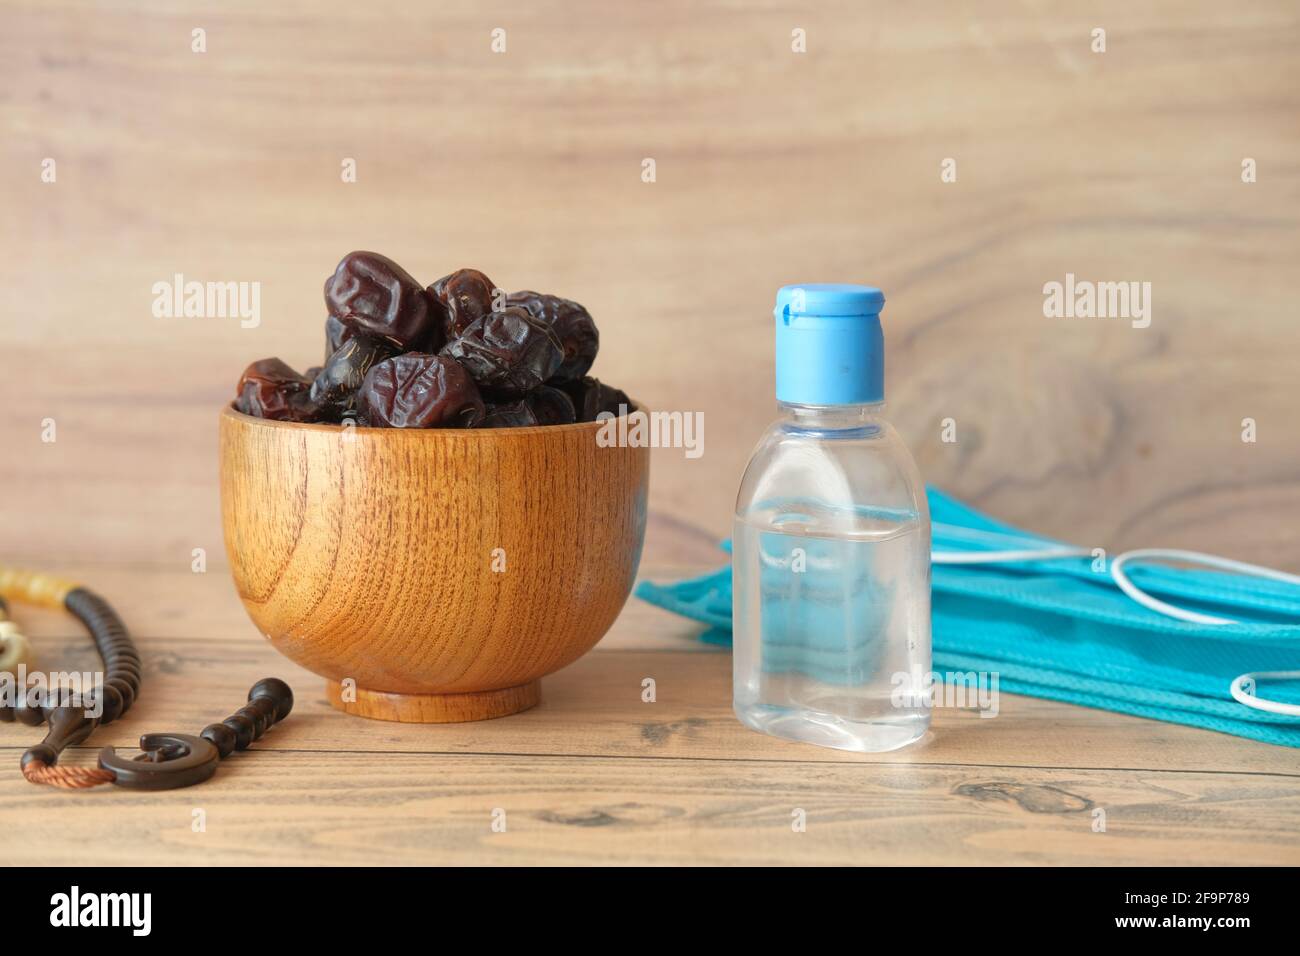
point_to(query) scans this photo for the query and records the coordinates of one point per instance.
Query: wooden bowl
(430, 575)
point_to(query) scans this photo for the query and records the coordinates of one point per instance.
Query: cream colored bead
(31, 587)
(14, 648)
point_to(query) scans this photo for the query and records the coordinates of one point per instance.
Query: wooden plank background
(772, 167)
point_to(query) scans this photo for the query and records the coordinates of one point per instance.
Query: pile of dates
(458, 354)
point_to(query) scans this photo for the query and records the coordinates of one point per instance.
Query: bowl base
(434, 708)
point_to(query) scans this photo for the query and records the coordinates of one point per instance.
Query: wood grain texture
(771, 168)
(431, 561)
(595, 707)
(433, 708)
(340, 808)
(596, 774)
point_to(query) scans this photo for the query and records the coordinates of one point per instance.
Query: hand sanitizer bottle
(831, 547)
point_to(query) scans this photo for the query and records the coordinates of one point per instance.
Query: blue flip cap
(829, 346)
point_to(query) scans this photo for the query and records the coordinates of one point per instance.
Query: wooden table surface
(772, 167)
(597, 775)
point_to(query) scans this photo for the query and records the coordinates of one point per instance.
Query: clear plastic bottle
(831, 546)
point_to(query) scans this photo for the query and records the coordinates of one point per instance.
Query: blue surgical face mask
(1190, 646)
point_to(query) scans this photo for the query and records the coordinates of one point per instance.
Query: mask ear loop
(1192, 557)
(1263, 703)
(1238, 686)
(1040, 551)
(1008, 557)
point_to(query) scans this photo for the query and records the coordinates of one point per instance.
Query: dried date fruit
(551, 406)
(372, 295)
(334, 389)
(591, 396)
(336, 333)
(571, 323)
(415, 390)
(271, 389)
(516, 414)
(541, 406)
(433, 342)
(508, 353)
(465, 297)
(458, 354)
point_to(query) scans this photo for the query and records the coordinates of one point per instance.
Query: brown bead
(243, 729)
(221, 737)
(275, 690)
(259, 719)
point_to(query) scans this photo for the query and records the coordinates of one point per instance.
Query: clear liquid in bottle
(831, 618)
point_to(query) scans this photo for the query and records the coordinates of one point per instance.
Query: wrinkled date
(336, 333)
(508, 353)
(420, 391)
(271, 389)
(372, 295)
(551, 406)
(459, 354)
(465, 297)
(515, 414)
(572, 325)
(591, 396)
(542, 406)
(334, 389)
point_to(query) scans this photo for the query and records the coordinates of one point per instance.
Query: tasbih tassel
(169, 760)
